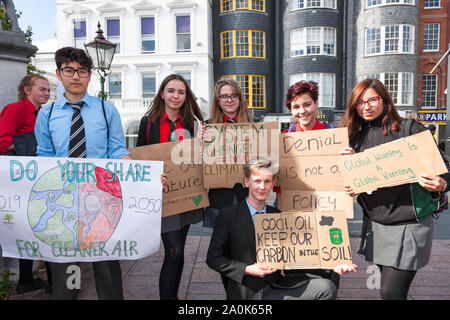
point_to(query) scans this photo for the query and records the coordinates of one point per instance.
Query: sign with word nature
(67, 209)
(302, 240)
(310, 176)
(228, 146)
(184, 190)
(394, 163)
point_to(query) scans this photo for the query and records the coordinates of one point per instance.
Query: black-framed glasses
(372, 102)
(225, 97)
(69, 72)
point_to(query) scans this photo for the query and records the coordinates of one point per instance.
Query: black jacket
(392, 205)
(233, 247)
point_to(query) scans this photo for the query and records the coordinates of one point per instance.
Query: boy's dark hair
(71, 54)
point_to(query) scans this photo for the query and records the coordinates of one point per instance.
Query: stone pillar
(15, 54)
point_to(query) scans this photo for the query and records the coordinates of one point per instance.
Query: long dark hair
(187, 111)
(391, 119)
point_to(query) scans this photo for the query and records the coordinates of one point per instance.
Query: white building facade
(154, 38)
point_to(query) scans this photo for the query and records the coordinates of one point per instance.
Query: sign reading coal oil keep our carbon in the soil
(302, 240)
(67, 210)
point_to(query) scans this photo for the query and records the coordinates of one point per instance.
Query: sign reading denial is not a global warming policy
(302, 240)
(394, 163)
(310, 176)
(67, 210)
(184, 190)
(228, 146)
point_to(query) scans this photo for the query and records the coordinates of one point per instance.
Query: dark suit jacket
(233, 247)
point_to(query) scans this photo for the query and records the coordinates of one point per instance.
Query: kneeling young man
(232, 250)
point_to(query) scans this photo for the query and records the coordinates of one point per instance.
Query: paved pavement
(140, 277)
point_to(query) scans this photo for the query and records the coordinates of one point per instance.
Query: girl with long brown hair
(393, 236)
(171, 117)
(229, 105)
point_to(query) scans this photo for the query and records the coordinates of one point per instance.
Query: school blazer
(233, 247)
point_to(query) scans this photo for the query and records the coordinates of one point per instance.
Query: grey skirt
(405, 247)
(179, 221)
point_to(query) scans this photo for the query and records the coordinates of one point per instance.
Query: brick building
(434, 37)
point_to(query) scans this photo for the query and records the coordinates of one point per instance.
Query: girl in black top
(171, 117)
(393, 237)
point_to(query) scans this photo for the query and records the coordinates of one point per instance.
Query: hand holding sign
(259, 270)
(394, 163)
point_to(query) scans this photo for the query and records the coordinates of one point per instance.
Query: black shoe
(36, 284)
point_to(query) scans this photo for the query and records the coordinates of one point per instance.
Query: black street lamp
(102, 53)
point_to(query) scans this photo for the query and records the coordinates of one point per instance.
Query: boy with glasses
(81, 126)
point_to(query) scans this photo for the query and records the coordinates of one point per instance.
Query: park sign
(432, 116)
(228, 146)
(309, 176)
(394, 163)
(302, 240)
(184, 190)
(71, 209)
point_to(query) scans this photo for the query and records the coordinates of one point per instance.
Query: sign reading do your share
(67, 210)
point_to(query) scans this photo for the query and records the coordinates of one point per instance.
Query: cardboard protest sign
(228, 146)
(299, 200)
(67, 209)
(302, 240)
(309, 169)
(184, 190)
(394, 163)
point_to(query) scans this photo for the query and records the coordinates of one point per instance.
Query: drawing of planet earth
(75, 214)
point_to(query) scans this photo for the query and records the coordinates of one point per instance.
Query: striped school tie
(77, 142)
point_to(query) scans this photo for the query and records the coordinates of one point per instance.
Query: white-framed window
(79, 33)
(389, 39)
(148, 80)
(431, 4)
(399, 85)
(373, 41)
(431, 36)
(131, 134)
(326, 83)
(113, 32)
(313, 41)
(148, 34)
(429, 90)
(373, 3)
(311, 4)
(115, 85)
(183, 33)
(392, 37)
(186, 75)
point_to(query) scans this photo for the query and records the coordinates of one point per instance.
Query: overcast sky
(41, 16)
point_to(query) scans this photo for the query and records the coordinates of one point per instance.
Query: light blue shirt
(253, 211)
(53, 134)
